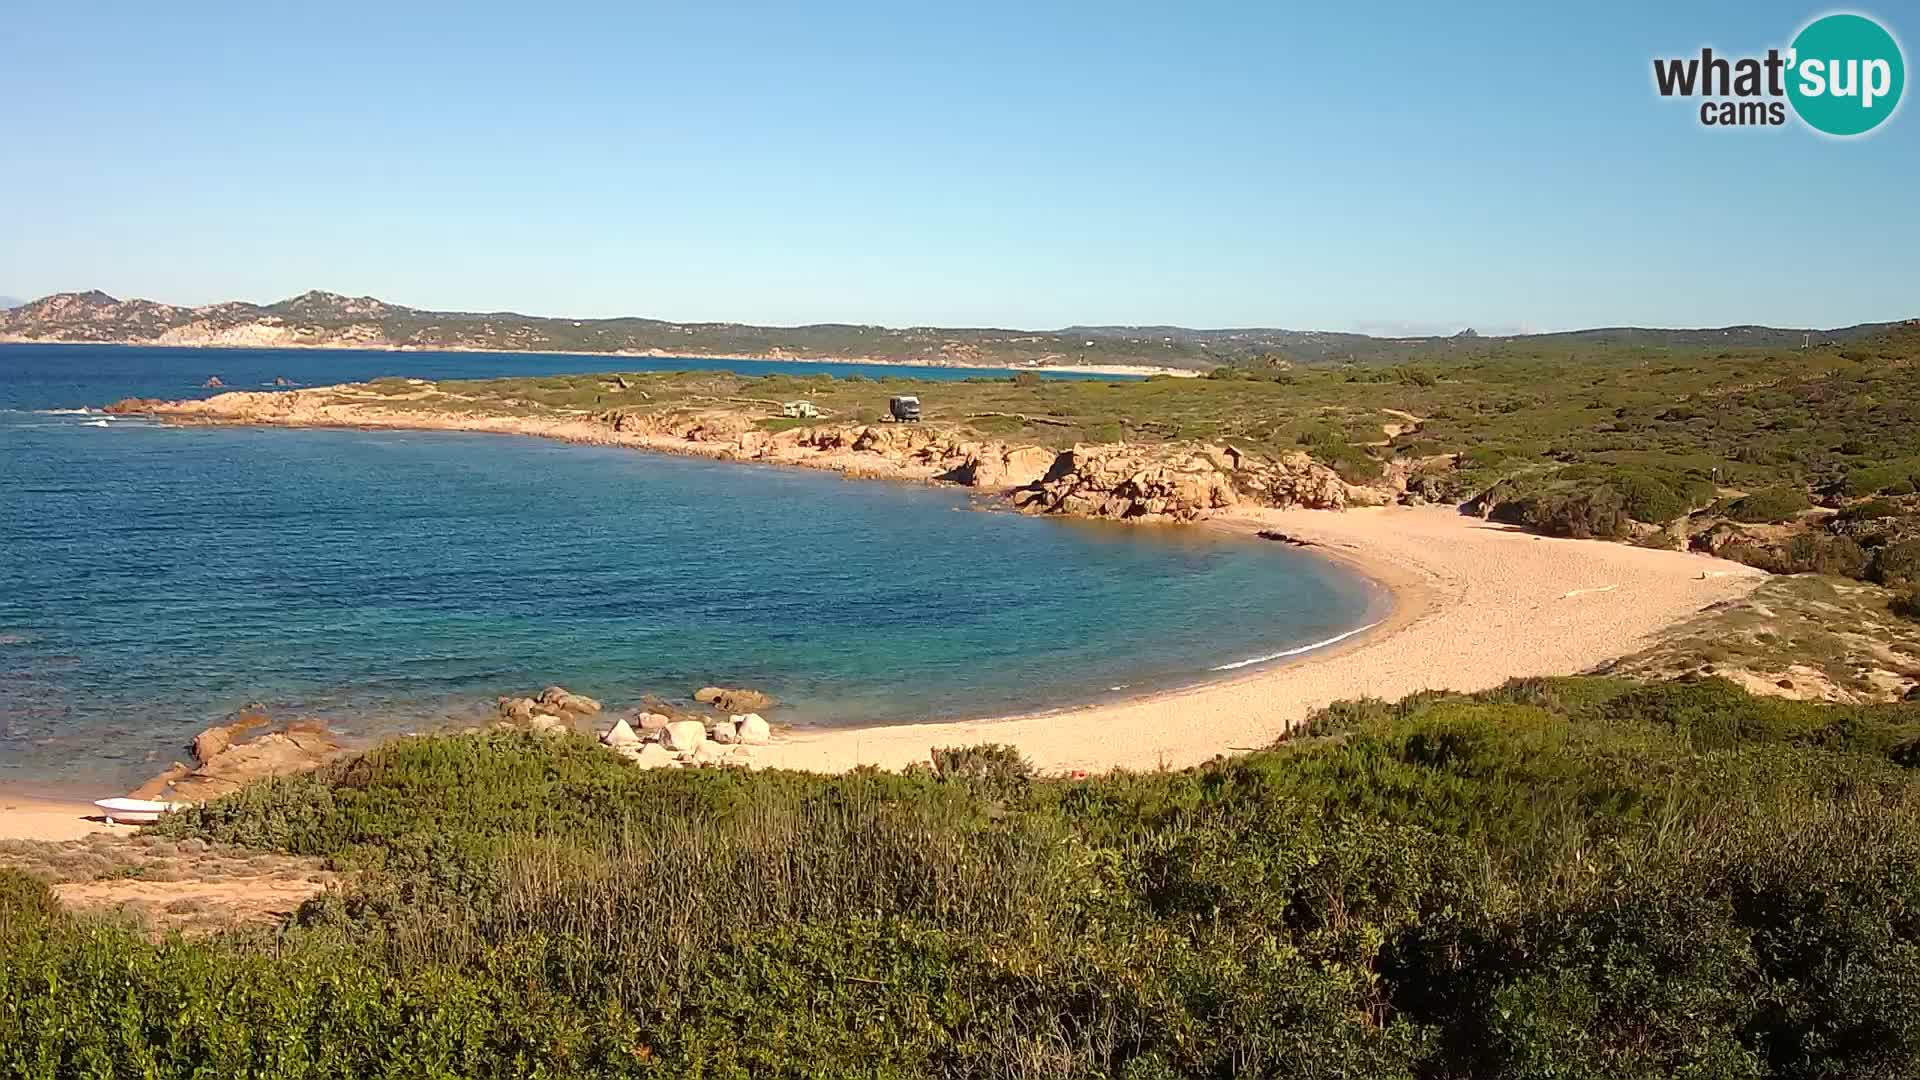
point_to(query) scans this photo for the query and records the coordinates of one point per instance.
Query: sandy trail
(1476, 603)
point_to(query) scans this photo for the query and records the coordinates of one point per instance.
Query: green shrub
(1351, 463)
(1906, 605)
(1768, 506)
(1807, 553)
(1894, 478)
(1558, 877)
(1658, 498)
(1594, 513)
(1897, 565)
(25, 899)
(1872, 509)
(993, 770)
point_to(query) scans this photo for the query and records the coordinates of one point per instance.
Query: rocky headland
(1123, 481)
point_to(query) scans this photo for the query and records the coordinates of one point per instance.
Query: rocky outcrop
(683, 736)
(736, 700)
(1127, 482)
(751, 730)
(226, 764)
(556, 703)
(1123, 481)
(996, 466)
(214, 741)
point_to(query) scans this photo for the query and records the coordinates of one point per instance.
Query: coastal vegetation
(1838, 420)
(1803, 635)
(1578, 877)
(1794, 460)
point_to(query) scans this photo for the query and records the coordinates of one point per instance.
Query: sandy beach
(1476, 603)
(28, 817)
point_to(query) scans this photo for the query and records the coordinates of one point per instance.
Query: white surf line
(1297, 650)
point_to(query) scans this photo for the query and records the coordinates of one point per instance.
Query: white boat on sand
(135, 811)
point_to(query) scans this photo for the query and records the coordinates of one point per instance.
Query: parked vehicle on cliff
(803, 410)
(905, 409)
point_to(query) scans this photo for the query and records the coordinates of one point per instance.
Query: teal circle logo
(1845, 76)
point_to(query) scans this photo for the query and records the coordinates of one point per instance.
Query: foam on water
(1297, 650)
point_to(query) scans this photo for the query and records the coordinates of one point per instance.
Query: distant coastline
(1128, 370)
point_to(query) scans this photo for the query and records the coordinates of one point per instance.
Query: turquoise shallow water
(154, 579)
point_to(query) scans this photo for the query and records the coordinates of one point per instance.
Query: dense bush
(1593, 513)
(1906, 605)
(24, 898)
(991, 770)
(1807, 553)
(1768, 506)
(1872, 509)
(1595, 502)
(1893, 478)
(1658, 497)
(1897, 565)
(1560, 877)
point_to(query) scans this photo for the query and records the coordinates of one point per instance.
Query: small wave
(96, 423)
(65, 412)
(1298, 649)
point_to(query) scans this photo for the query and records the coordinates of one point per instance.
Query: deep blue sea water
(153, 579)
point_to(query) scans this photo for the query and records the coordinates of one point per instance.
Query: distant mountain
(332, 320)
(9, 302)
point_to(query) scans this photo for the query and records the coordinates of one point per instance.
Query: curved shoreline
(1469, 605)
(1475, 604)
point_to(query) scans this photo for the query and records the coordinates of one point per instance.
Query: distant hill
(10, 302)
(1313, 346)
(332, 320)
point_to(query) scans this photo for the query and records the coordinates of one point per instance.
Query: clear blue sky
(1342, 166)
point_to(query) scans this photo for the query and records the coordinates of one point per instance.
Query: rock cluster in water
(552, 709)
(226, 762)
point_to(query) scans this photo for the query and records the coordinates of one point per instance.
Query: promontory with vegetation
(1790, 460)
(1681, 840)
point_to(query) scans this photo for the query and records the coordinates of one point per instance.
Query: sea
(155, 579)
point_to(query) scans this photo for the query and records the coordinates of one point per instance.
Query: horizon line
(1466, 328)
